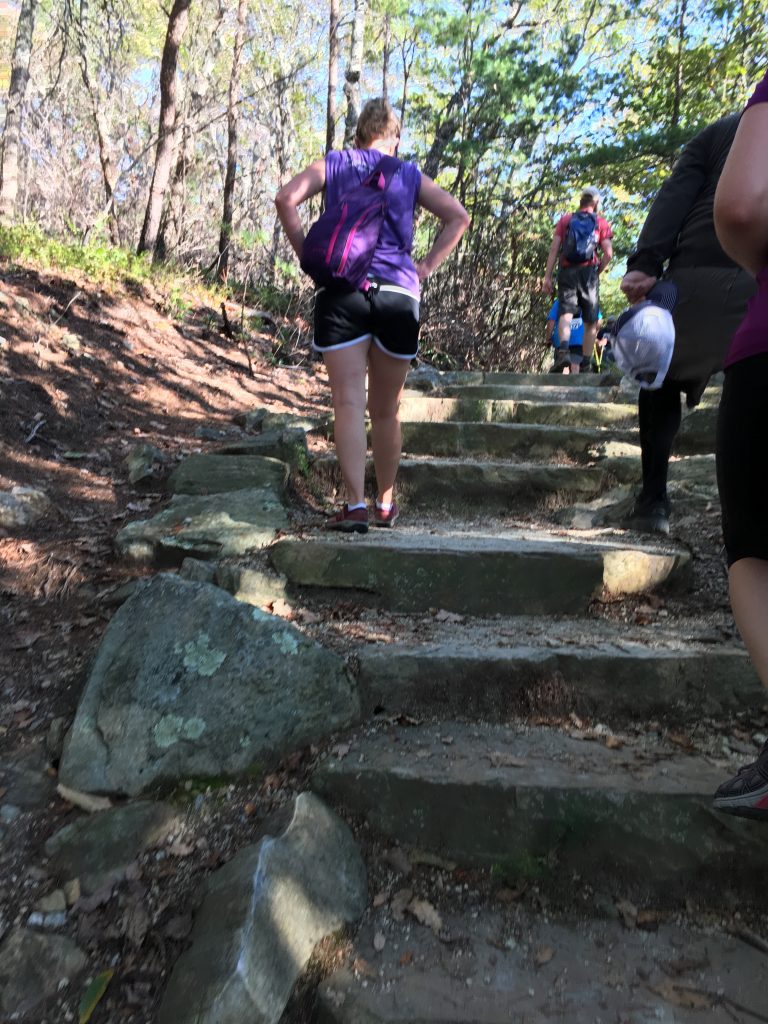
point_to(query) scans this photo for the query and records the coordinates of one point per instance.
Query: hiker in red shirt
(583, 242)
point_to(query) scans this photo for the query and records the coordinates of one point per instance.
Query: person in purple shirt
(373, 332)
(741, 221)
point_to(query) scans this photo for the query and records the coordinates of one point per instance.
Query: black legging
(659, 414)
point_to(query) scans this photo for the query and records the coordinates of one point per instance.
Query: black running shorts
(742, 458)
(578, 292)
(386, 313)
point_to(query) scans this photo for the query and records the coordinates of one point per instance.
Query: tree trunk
(386, 52)
(177, 24)
(109, 169)
(678, 85)
(352, 74)
(333, 76)
(22, 52)
(232, 115)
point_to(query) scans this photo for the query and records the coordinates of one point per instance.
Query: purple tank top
(751, 337)
(392, 261)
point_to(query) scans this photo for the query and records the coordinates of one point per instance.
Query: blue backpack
(580, 242)
(339, 247)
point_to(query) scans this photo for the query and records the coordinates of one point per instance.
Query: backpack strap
(382, 174)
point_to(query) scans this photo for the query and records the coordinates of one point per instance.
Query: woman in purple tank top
(372, 332)
(741, 220)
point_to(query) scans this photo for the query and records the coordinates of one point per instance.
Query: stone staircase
(518, 729)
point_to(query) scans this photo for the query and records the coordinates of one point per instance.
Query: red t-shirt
(602, 232)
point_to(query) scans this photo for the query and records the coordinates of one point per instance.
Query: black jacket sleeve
(672, 204)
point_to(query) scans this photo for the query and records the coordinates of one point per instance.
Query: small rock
(22, 506)
(54, 903)
(144, 462)
(54, 920)
(9, 813)
(72, 891)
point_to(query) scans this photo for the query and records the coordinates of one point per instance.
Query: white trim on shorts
(343, 344)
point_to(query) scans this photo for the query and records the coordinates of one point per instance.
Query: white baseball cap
(643, 338)
(590, 190)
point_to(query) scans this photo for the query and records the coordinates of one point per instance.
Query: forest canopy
(168, 131)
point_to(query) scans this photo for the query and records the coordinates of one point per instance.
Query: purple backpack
(339, 247)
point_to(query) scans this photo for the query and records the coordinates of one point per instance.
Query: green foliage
(100, 262)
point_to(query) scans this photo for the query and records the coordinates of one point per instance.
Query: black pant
(659, 415)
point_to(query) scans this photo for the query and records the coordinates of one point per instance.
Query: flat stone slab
(534, 800)
(190, 683)
(492, 971)
(430, 378)
(211, 526)
(287, 445)
(514, 573)
(630, 681)
(262, 915)
(98, 848)
(540, 393)
(541, 442)
(484, 486)
(32, 965)
(217, 474)
(418, 408)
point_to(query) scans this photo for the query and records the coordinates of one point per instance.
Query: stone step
(485, 487)
(426, 378)
(607, 680)
(537, 803)
(497, 964)
(508, 440)
(511, 573)
(540, 393)
(416, 408)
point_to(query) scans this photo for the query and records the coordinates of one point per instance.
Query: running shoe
(562, 361)
(348, 520)
(648, 517)
(746, 794)
(388, 517)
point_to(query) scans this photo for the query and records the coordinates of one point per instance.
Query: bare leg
(346, 373)
(590, 337)
(386, 377)
(564, 336)
(748, 582)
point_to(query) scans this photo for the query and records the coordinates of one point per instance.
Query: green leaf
(93, 994)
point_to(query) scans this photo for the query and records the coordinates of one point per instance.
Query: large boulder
(262, 916)
(189, 682)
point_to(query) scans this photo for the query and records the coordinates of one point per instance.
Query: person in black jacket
(678, 241)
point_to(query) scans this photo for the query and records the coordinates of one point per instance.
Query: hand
(636, 285)
(422, 270)
(547, 284)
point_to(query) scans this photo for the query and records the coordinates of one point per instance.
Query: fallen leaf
(397, 859)
(431, 859)
(648, 920)
(509, 895)
(93, 994)
(400, 901)
(543, 955)
(180, 849)
(425, 914)
(363, 968)
(614, 743)
(680, 739)
(340, 750)
(628, 913)
(281, 608)
(85, 801)
(379, 941)
(446, 616)
(683, 996)
(380, 899)
(499, 759)
(136, 924)
(407, 958)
